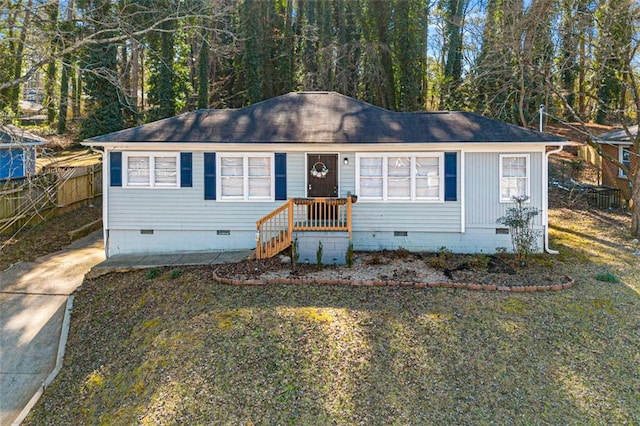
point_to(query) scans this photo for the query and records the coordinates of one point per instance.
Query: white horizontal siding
(472, 241)
(185, 209)
(182, 208)
(420, 217)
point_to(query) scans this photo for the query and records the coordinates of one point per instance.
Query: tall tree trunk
(203, 71)
(66, 74)
(64, 96)
(135, 73)
(50, 85)
(635, 202)
(76, 93)
(14, 100)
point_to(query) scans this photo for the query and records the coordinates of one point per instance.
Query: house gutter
(105, 196)
(545, 199)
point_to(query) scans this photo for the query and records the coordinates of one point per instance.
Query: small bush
(375, 259)
(436, 262)
(319, 255)
(295, 253)
(174, 273)
(445, 253)
(479, 261)
(440, 259)
(348, 257)
(402, 253)
(519, 219)
(153, 273)
(607, 277)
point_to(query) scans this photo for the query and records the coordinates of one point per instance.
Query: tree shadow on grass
(192, 350)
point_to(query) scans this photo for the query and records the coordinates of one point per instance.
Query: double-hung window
(400, 177)
(514, 176)
(156, 170)
(246, 177)
(625, 159)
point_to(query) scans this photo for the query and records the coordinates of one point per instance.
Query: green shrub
(319, 255)
(519, 219)
(174, 273)
(440, 259)
(348, 257)
(436, 262)
(153, 273)
(445, 253)
(479, 260)
(607, 277)
(295, 253)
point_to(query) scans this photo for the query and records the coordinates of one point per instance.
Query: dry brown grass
(46, 237)
(182, 349)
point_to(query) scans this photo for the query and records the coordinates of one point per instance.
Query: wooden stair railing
(275, 230)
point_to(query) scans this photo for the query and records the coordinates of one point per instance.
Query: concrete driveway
(33, 299)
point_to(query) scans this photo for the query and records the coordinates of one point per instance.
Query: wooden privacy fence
(30, 200)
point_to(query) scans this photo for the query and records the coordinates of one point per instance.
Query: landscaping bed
(404, 268)
(174, 346)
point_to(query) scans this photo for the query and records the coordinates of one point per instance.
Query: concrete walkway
(33, 301)
(143, 261)
(33, 297)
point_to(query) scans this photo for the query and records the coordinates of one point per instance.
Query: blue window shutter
(209, 175)
(450, 176)
(281, 175)
(115, 168)
(186, 170)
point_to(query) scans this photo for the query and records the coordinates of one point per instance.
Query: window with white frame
(151, 170)
(624, 154)
(246, 177)
(514, 176)
(400, 177)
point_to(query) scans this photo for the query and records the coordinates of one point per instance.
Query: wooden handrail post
(349, 215)
(291, 213)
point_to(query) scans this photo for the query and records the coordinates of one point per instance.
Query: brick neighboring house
(616, 144)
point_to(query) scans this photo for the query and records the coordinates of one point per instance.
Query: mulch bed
(402, 268)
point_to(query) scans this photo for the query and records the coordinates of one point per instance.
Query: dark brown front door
(322, 181)
(322, 175)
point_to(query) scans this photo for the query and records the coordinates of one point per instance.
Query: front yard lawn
(182, 349)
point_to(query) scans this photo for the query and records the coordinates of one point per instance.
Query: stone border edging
(391, 283)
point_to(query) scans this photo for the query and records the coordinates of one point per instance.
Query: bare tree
(625, 52)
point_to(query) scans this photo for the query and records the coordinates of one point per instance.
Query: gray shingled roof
(618, 135)
(323, 117)
(10, 134)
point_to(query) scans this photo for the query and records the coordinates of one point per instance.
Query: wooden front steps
(275, 230)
